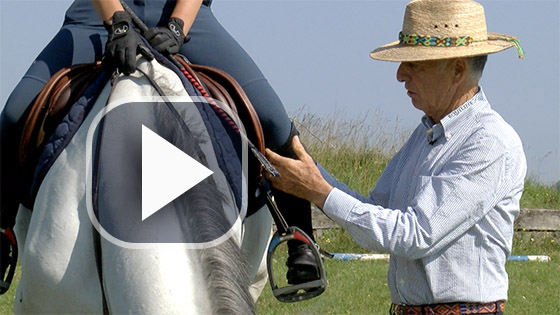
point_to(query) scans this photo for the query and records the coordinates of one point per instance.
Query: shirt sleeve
(444, 206)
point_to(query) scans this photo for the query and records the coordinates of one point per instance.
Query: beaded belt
(448, 309)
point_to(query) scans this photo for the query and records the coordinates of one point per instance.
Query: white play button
(167, 172)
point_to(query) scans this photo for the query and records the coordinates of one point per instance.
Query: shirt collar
(451, 121)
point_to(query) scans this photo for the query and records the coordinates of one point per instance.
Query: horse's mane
(202, 216)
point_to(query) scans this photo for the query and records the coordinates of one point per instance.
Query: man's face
(429, 85)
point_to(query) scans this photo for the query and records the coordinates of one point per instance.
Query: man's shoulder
(491, 125)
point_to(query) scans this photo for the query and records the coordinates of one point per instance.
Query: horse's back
(58, 257)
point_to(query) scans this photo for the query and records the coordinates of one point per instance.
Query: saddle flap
(245, 108)
(217, 91)
(54, 101)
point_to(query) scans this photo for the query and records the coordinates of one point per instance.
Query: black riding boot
(302, 266)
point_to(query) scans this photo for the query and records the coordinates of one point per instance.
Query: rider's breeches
(82, 39)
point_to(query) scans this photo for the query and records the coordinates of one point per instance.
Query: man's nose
(402, 72)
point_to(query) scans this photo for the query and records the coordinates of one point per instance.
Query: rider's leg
(71, 45)
(211, 45)
(302, 265)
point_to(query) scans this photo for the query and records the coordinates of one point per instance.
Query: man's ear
(460, 68)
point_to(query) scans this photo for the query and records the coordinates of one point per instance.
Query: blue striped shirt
(444, 208)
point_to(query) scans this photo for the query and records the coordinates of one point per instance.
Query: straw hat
(442, 29)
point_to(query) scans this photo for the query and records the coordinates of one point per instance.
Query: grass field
(357, 156)
(360, 287)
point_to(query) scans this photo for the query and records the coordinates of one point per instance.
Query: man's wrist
(320, 196)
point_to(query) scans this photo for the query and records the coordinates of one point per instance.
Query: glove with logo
(124, 43)
(167, 39)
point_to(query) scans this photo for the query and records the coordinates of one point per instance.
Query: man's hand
(301, 177)
(124, 43)
(169, 39)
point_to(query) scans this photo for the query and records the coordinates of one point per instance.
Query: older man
(444, 207)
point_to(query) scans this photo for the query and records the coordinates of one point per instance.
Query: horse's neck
(166, 279)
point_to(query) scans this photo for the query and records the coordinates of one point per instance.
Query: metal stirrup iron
(285, 233)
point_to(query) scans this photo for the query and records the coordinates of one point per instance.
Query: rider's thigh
(212, 45)
(73, 44)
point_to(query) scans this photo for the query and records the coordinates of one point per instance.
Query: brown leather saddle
(67, 85)
(223, 90)
(52, 103)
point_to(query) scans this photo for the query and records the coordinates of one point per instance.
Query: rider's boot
(302, 266)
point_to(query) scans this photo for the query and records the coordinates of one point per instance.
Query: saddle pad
(155, 98)
(39, 156)
(52, 103)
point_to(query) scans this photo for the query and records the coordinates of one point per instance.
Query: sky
(315, 54)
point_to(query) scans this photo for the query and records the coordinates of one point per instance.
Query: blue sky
(315, 54)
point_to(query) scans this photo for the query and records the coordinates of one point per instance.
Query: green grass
(360, 287)
(352, 150)
(541, 196)
(355, 287)
(7, 299)
(535, 285)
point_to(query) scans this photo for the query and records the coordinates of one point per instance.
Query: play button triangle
(167, 172)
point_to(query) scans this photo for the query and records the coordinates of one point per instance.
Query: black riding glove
(124, 43)
(167, 39)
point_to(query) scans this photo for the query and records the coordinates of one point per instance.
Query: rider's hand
(167, 39)
(124, 43)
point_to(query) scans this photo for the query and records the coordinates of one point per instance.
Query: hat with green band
(443, 29)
